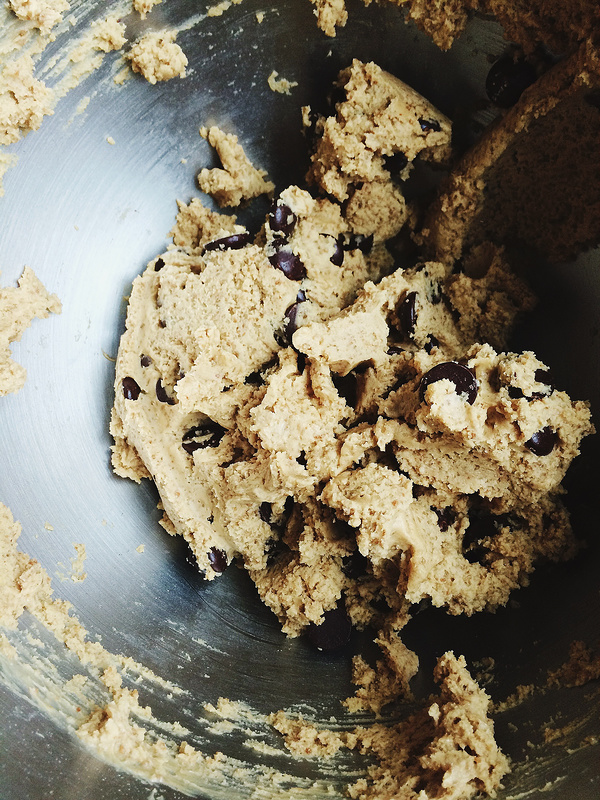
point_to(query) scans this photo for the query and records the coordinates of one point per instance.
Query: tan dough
(45, 14)
(158, 57)
(238, 180)
(24, 100)
(18, 307)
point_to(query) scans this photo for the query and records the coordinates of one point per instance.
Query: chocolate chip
(347, 387)
(507, 80)
(208, 434)
(291, 315)
(145, 361)
(289, 263)
(338, 254)
(162, 395)
(218, 560)
(435, 293)
(301, 363)
(234, 242)
(446, 517)
(282, 219)
(158, 264)
(458, 374)
(264, 512)
(542, 442)
(302, 458)
(407, 314)
(428, 125)
(395, 163)
(334, 632)
(131, 390)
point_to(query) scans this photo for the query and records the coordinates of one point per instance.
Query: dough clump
(18, 307)
(24, 100)
(238, 180)
(158, 57)
(45, 14)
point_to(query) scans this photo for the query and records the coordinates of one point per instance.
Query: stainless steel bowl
(87, 216)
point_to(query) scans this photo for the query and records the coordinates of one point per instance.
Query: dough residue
(238, 180)
(158, 57)
(24, 100)
(18, 307)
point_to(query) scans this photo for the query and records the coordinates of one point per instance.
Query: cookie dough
(24, 100)
(302, 406)
(358, 435)
(446, 747)
(503, 190)
(558, 24)
(44, 14)
(238, 180)
(158, 57)
(18, 307)
(144, 7)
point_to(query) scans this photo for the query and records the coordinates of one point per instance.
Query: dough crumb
(18, 307)
(330, 14)
(238, 180)
(144, 7)
(158, 57)
(280, 85)
(24, 100)
(220, 8)
(110, 140)
(44, 14)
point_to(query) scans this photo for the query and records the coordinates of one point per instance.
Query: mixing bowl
(87, 214)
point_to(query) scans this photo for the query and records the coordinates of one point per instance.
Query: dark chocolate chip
(334, 632)
(395, 163)
(162, 395)
(218, 559)
(289, 263)
(158, 264)
(446, 517)
(255, 379)
(145, 361)
(355, 565)
(291, 315)
(282, 219)
(301, 363)
(347, 387)
(428, 125)
(507, 80)
(302, 458)
(131, 390)
(458, 374)
(394, 350)
(338, 254)
(234, 242)
(542, 442)
(407, 314)
(208, 434)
